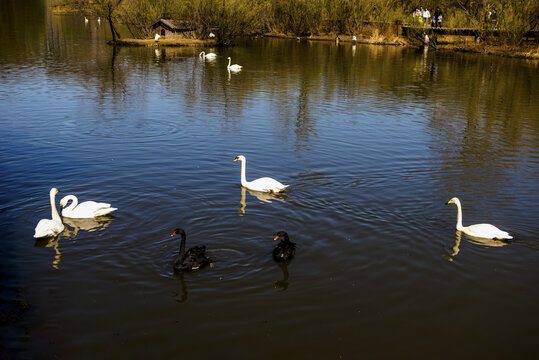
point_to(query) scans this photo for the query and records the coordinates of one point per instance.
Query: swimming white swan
(85, 20)
(486, 231)
(209, 56)
(234, 67)
(87, 209)
(46, 227)
(264, 184)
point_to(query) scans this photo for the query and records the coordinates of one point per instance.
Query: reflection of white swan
(209, 56)
(46, 227)
(234, 67)
(266, 197)
(87, 209)
(485, 231)
(88, 224)
(475, 240)
(52, 242)
(265, 184)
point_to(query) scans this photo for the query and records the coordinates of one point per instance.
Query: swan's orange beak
(174, 233)
(276, 237)
(236, 159)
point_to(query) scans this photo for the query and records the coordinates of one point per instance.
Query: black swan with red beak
(191, 260)
(285, 250)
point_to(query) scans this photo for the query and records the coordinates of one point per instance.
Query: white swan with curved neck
(209, 56)
(234, 67)
(265, 184)
(47, 227)
(486, 231)
(84, 210)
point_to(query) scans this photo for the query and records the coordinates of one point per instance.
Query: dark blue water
(373, 140)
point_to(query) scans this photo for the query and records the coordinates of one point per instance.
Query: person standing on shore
(426, 16)
(438, 17)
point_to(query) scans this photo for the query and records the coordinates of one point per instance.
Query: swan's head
(228, 58)
(281, 234)
(240, 158)
(202, 53)
(178, 231)
(454, 200)
(63, 202)
(53, 191)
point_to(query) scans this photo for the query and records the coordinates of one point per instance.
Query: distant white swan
(46, 227)
(265, 184)
(209, 56)
(486, 231)
(84, 210)
(85, 20)
(211, 35)
(99, 20)
(157, 36)
(234, 67)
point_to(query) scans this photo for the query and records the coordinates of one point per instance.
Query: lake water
(374, 141)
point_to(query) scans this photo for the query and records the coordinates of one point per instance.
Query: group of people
(424, 17)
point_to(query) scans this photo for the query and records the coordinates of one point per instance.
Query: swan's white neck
(459, 216)
(55, 215)
(229, 61)
(243, 180)
(74, 203)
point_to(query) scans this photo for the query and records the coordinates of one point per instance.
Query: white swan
(85, 20)
(234, 67)
(85, 210)
(486, 231)
(46, 227)
(264, 184)
(209, 56)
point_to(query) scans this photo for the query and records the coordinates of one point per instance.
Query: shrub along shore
(370, 21)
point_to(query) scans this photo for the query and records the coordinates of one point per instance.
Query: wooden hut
(174, 29)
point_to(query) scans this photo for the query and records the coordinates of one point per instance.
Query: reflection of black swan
(286, 248)
(191, 260)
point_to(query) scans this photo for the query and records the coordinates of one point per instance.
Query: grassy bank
(370, 21)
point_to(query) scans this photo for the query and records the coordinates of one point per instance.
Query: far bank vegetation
(367, 19)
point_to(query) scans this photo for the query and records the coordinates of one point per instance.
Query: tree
(109, 10)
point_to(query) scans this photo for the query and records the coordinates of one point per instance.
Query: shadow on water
(284, 283)
(54, 243)
(262, 196)
(183, 291)
(455, 249)
(90, 224)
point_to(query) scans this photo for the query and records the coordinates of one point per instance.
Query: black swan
(286, 248)
(191, 260)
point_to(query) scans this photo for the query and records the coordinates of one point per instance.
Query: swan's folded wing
(44, 228)
(92, 208)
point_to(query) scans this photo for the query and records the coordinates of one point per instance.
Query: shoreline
(445, 43)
